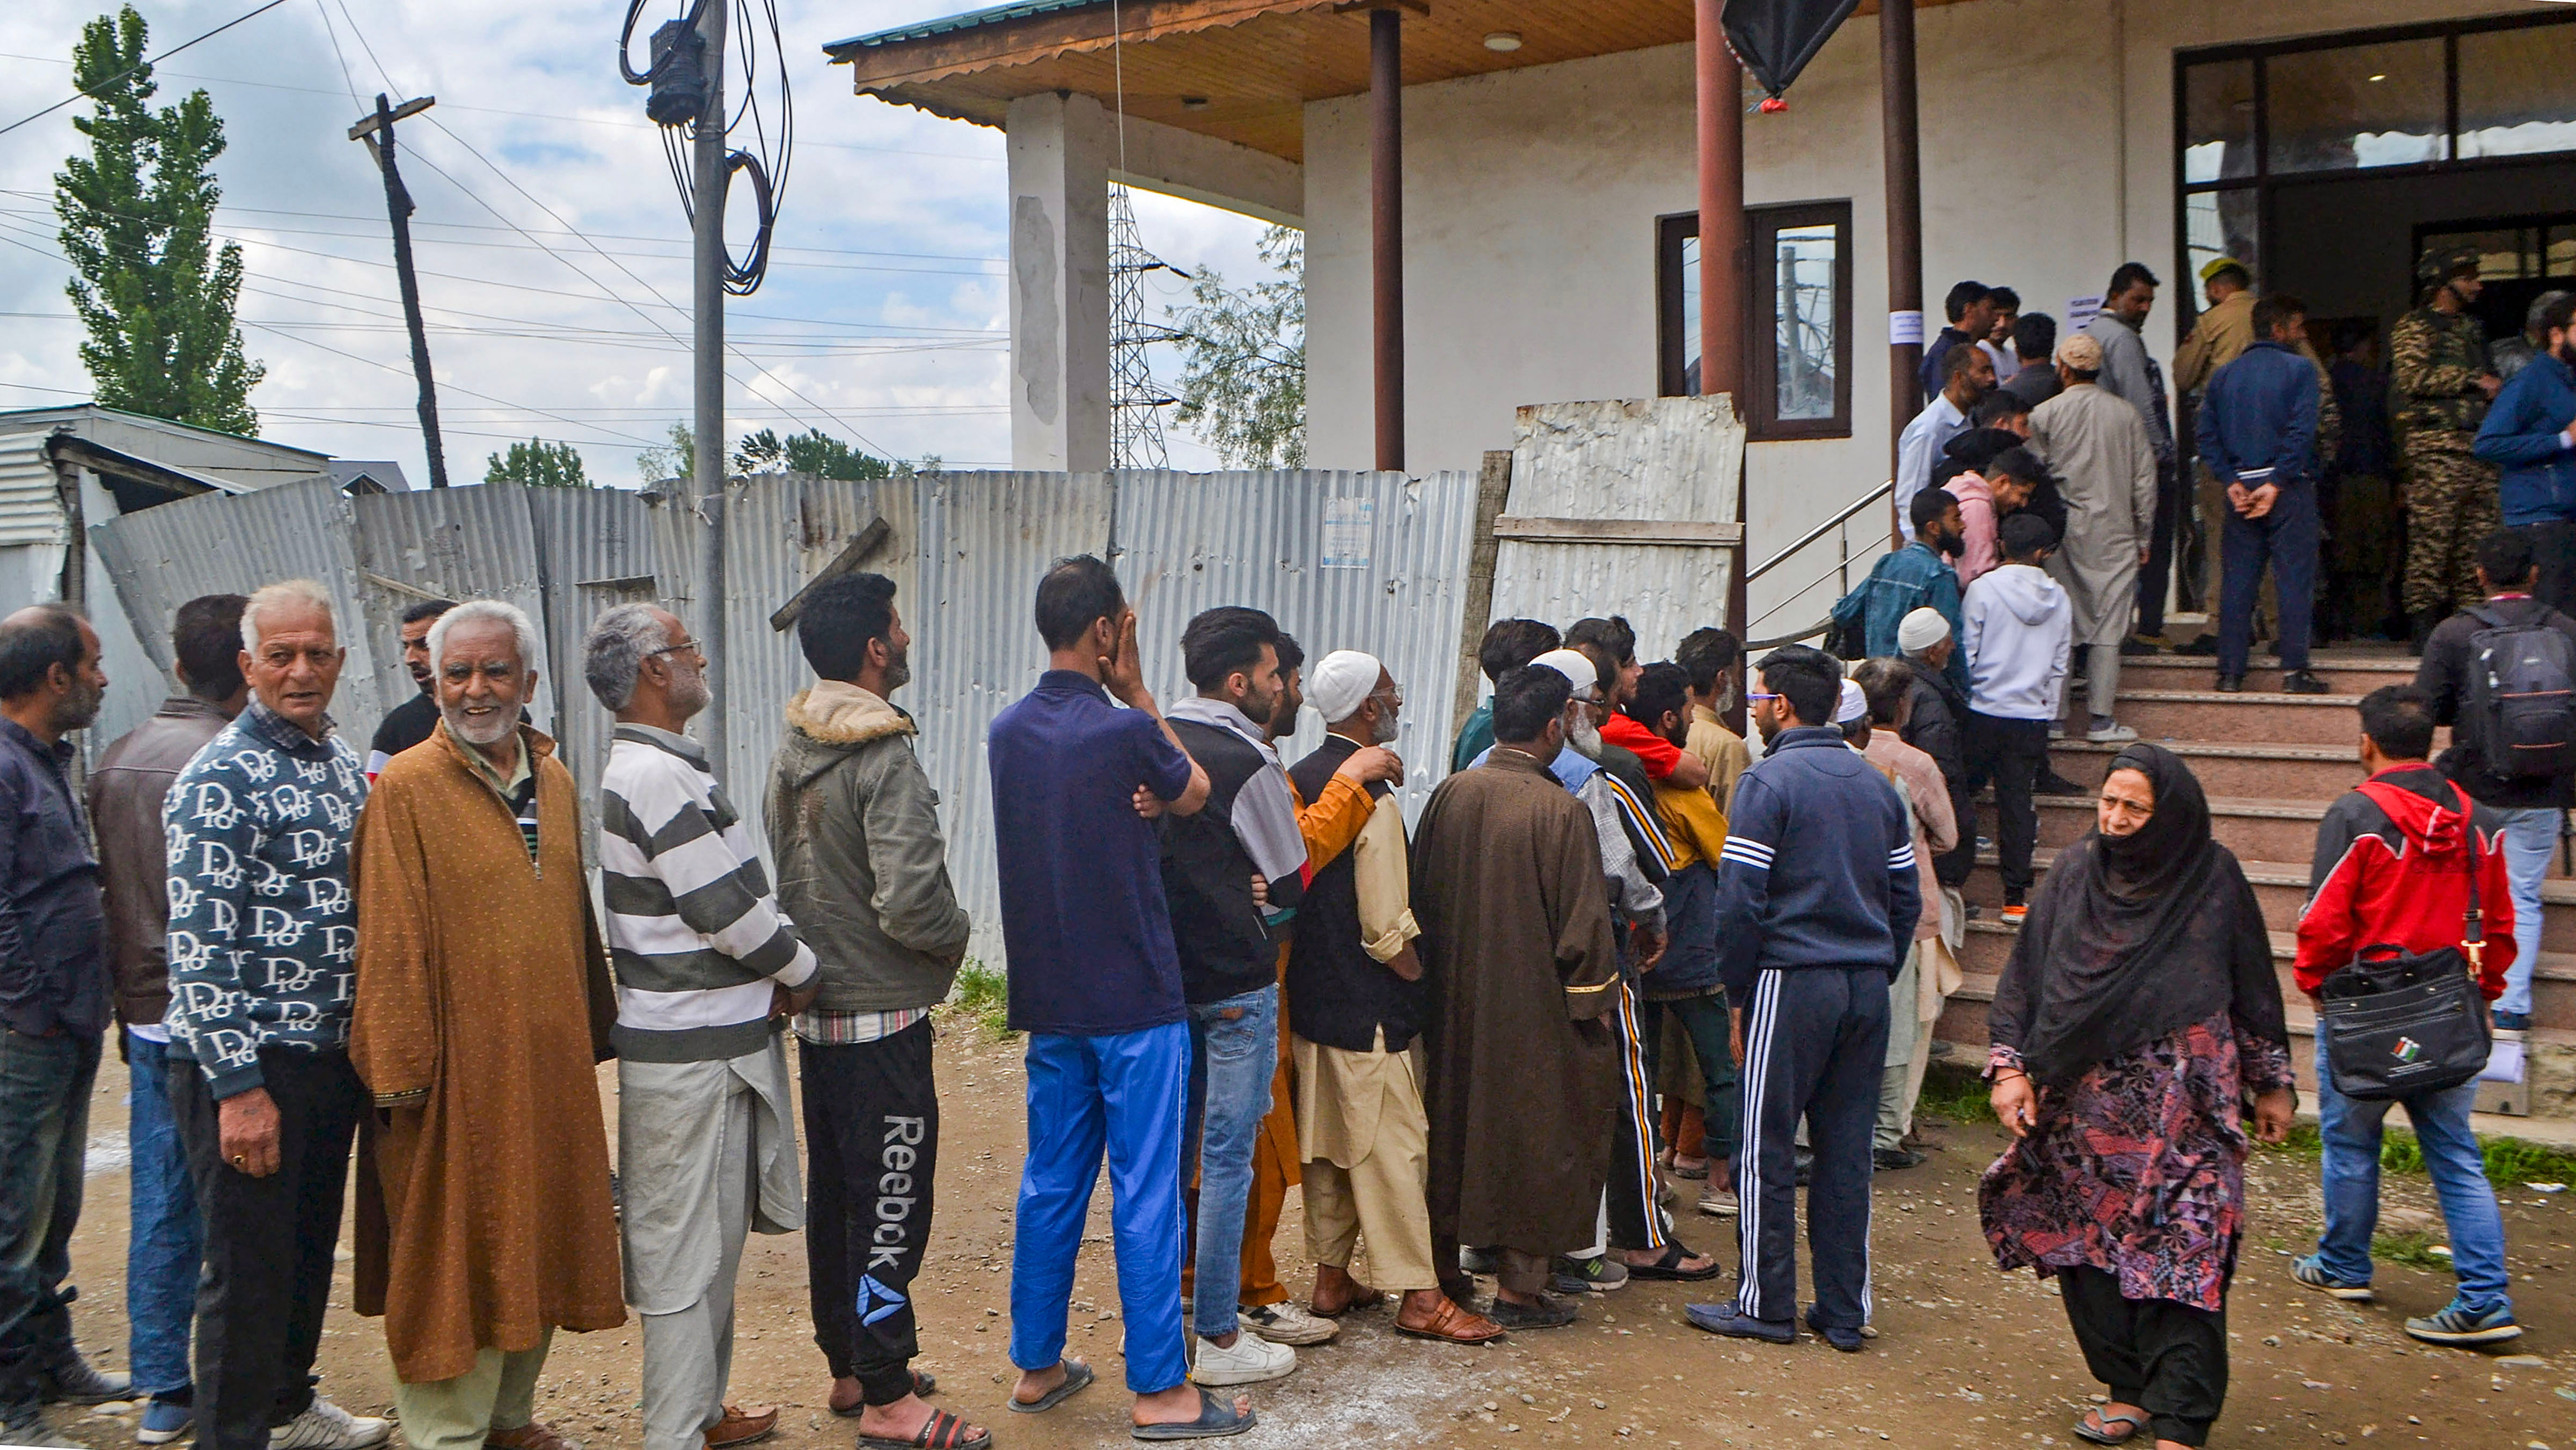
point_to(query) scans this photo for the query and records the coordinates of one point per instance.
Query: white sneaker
(1286, 1323)
(1251, 1360)
(2112, 734)
(325, 1426)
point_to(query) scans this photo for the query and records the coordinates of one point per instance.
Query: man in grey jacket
(854, 826)
(2130, 373)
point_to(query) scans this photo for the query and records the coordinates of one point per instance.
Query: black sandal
(1217, 1418)
(924, 1384)
(942, 1431)
(1670, 1266)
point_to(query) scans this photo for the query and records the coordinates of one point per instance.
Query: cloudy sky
(549, 240)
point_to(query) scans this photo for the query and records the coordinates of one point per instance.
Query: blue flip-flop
(1216, 1419)
(1077, 1376)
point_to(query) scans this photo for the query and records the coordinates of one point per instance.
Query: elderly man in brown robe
(483, 1004)
(1517, 949)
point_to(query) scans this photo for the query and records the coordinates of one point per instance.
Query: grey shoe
(25, 1425)
(73, 1382)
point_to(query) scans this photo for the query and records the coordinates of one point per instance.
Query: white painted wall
(1531, 198)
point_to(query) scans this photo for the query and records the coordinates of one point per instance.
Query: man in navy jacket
(1816, 906)
(2258, 436)
(2531, 431)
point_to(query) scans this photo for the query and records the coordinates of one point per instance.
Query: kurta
(2106, 466)
(483, 1005)
(1519, 958)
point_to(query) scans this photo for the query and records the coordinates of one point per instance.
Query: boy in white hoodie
(2016, 626)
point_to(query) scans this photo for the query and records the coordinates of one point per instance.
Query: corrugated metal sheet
(986, 538)
(596, 549)
(31, 511)
(1679, 459)
(1189, 542)
(780, 531)
(459, 543)
(162, 557)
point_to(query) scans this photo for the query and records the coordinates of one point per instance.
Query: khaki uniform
(2435, 360)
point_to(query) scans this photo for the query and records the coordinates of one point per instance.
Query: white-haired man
(483, 1001)
(263, 954)
(708, 970)
(1356, 1002)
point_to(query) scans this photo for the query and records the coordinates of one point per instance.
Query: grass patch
(981, 996)
(1955, 1093)
(2413, 1248)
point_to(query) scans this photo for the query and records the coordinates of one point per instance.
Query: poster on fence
(1348, 525)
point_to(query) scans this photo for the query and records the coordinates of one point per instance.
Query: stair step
(2255, 828)
(2208, 715)
(2231, 767)
(2282, 888)
(2379, 669)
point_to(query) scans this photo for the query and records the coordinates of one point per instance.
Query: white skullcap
(1341, 683)
(1854, 706)
(1574, 664)
(1921, 629)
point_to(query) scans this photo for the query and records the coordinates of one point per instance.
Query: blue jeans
(44, 1146)
(163, 1237)
(1234, 1053)
(2351, 1130)
(2529, 836)
(1085, 1094)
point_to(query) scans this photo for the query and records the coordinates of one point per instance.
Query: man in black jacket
(1233, 875)
(2530, 807)
(1356, 1003)
(1934, 724)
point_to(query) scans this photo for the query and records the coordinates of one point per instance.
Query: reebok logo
(876, 1301)
(895, 1197)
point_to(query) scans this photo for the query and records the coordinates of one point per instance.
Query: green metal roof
(923, 30)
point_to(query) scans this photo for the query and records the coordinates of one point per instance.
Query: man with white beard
(708, 972)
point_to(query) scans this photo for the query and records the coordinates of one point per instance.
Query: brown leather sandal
(1362, 1297)
(534, 1435)
(1453, 1325)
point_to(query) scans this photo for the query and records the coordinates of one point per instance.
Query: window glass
(2220, 224)
(2218, 121)
(1804, 315)
(2358, 106)
(1688, 322)
(2518, 91)
(2505, 254)
(2561, 253)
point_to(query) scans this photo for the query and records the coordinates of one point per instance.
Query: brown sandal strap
(1453, 1325)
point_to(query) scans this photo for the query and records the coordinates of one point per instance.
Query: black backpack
(2520, 715)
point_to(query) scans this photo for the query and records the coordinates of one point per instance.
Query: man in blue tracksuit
(2258, 436)
(1816, 905)
(2531, 431)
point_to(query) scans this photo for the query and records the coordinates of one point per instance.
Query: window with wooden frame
(1798, 376)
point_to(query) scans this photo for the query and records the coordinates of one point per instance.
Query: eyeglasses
(1758, 695)
(690, 645)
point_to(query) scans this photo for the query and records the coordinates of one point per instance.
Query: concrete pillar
(1060, 150)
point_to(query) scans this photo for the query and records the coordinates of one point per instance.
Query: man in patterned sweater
(263, 956)
(708, 970)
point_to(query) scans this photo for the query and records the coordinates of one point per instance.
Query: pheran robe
(483, 1006)
(2106, 469)
(1518, 954)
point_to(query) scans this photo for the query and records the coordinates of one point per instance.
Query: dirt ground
(1964, 1355)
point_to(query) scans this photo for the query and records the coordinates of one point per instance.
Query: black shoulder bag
(2396, 1025)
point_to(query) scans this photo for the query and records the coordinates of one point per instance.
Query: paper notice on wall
(1349, 524)
(1905, 329)
(2080, 311)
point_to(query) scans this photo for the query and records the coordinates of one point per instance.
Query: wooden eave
(1239, 70)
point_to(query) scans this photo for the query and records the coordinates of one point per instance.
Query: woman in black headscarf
(2137, 1021)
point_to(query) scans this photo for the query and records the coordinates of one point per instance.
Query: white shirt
(1918, 448)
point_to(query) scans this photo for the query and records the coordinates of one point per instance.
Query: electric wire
(139, 65)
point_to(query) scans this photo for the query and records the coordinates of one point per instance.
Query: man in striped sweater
(708, 969)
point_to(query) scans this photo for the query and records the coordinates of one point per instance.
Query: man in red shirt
(2395, 857)
(1665, 762)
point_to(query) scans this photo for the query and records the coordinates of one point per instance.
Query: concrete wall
(1531, 199)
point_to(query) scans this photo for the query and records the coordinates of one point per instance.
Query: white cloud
(884, 305)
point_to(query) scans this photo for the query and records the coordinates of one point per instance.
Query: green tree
(1243, 359)
(675, 460)
(137, 214)
(812, 451)
(538, 464)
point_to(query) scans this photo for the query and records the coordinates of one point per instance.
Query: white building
(1549, 183)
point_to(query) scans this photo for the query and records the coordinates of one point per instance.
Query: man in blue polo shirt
(1096, 985)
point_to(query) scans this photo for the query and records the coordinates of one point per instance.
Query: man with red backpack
(2502, 675)
(2410, 863)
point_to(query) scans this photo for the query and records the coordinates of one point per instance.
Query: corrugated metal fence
(1345, 560)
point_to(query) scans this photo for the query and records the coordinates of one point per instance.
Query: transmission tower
(1136, 401)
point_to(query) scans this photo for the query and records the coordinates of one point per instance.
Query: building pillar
(1386, 228)
(1903, 156)
(1060, 148)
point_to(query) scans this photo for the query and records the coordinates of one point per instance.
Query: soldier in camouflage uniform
(2437, 360)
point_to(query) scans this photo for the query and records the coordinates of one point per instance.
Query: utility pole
(380, 127)
(707, 295)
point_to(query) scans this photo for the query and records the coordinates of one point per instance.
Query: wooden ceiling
(1240, 70)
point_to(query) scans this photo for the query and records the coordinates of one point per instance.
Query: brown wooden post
(1724, 290)
(1493, 491)
(1902, 143)
(1386, 211)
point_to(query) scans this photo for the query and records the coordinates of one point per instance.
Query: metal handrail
(1820, 530)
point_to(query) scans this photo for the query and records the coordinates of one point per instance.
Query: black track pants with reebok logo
(1815, 1044)
(872, 1146)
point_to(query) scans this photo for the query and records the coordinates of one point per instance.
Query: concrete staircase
(2271, 764)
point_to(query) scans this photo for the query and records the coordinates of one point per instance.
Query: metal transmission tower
(1136, 401)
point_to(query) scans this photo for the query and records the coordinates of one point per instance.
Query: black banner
(1776, 38)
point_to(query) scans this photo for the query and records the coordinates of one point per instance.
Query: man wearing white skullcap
(1356, 1002)
(1920, 630)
